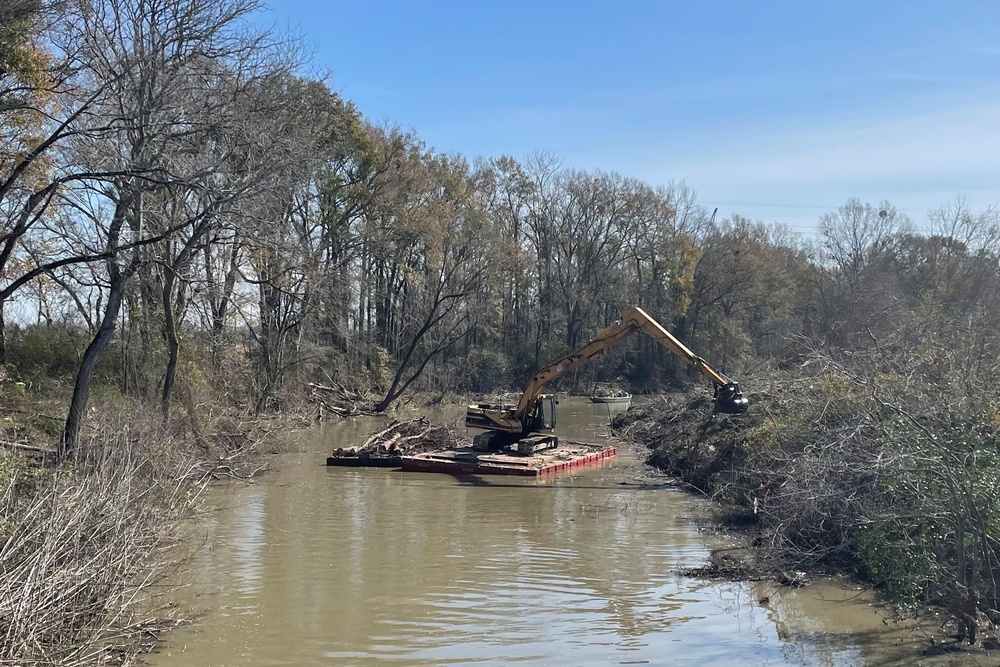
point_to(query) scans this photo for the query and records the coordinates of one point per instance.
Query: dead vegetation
(685, 439)
(399, 438)
(850, 468)
(338, 401)
(84, 547)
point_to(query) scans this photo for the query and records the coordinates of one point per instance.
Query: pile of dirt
(403, 438)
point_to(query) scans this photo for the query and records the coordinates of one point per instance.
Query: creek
(312, 565)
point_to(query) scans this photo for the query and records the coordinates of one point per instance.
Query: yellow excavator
(535, 412)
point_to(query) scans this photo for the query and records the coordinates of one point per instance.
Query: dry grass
(84, 549)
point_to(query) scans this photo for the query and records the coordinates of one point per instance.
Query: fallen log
(413, 436)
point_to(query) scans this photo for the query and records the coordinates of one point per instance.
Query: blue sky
(779, 111)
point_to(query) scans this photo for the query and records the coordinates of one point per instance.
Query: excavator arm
(525, 418)
(728, 397)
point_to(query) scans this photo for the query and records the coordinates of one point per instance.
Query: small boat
(612, 398)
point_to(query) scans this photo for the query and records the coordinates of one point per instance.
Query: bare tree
(447, 271)
(43, 103)
(860, 238)
(175, 73)
(860, 282)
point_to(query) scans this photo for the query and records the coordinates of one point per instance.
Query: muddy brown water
(335, 566)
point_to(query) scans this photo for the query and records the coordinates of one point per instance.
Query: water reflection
(247, 542)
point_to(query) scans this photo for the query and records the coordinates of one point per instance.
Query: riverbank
(837, 480)
(87, 544)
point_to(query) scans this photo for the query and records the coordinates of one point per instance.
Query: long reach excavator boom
(535, 414)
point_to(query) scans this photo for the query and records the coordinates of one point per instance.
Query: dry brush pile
(851, 467)
(84, 547)
(407, 437)
(338, 401)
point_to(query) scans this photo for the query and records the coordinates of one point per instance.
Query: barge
(469, 461)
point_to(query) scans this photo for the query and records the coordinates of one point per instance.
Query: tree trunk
(85, 376)
(268, 347)
(173, 345)
(3, 334)
(117, 279)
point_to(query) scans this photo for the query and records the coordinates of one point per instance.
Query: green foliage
(40, 353)
(944, 484)
(897, 563)
(488, 369)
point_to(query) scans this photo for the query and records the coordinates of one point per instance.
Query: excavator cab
(546, 412)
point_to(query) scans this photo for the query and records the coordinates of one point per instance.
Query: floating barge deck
(467, 461)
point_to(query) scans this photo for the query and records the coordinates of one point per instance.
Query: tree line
(184, 209)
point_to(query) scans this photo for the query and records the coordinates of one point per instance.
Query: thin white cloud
(943, 147)
(918, 163)
(921, 78)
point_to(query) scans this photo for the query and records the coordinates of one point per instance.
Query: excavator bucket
(730, 400)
